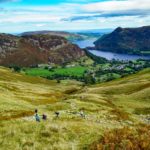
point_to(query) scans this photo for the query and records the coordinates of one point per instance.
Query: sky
(33, 15)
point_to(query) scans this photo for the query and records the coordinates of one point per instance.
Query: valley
(113, 95)
(119, 104)
(102, 103)
(60, 63)
(89, 71)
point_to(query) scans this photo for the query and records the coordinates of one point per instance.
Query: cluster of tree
(87, 78)
(15, 68)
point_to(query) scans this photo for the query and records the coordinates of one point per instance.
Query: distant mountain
(67, 35)
(74, 35)
(126, 40)
(92, 33)
(29, 50)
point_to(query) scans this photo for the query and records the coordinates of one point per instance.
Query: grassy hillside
(108, 106)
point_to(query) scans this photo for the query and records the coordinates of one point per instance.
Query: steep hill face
(126, 40)
(31, 50)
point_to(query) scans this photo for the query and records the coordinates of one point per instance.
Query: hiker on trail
(37, 117)
(82, 114)
(36, 111)
(57, 114)
(44, 117)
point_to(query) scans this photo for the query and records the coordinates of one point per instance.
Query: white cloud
(40, 25)
(115, 5)
(51, 17)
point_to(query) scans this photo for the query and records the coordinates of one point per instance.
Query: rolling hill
(31, 50)
(64, 34)
(126, 40)
(122, 103)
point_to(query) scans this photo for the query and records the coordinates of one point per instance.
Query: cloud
(112, 8)
(41, 25)
(73, 15)
(114, 5)
(109, 15)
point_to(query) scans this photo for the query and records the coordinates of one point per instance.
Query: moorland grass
(108, 107)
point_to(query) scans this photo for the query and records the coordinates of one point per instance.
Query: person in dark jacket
(44, 117)
(37, 117)
(57, 114)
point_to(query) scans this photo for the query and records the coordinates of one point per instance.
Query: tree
(89, 79)
(16, 68)
(58, 81)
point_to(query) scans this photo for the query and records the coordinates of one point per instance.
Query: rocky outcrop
(29, 50)
(126, 40)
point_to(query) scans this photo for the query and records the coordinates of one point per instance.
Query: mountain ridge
(64, 34)
(29, 50)
(126, 40)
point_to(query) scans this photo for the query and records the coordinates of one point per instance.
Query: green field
(109, 107)
(70, 71)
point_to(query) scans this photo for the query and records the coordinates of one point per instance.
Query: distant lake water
(107, 55)
(85, 43)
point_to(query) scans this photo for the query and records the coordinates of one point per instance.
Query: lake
(108, 55)
(85, 43)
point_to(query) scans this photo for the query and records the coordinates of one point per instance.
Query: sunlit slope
(130, 93)
(20, 94)
(112, 105)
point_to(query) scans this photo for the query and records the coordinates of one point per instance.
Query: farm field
(70, 71)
